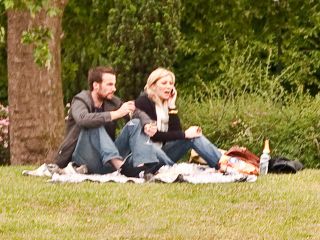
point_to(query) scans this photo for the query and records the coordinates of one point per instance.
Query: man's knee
(134, 125)
(136, 121)
(91, 131)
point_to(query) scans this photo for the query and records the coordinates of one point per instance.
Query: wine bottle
(264, 159)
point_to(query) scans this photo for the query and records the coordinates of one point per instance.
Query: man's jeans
(95, 148)
(209, 152)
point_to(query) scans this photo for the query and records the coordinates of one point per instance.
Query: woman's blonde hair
(153, 78)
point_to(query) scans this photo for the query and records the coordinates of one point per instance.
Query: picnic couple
(151, 138)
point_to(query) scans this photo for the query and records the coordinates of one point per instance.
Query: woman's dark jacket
(174, 131)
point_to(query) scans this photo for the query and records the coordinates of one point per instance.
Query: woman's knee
(199, 139)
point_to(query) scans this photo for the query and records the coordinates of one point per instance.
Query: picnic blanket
(182, 172)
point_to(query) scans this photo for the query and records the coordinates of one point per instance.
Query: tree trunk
(36, 109)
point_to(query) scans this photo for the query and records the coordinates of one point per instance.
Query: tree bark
(35, 95)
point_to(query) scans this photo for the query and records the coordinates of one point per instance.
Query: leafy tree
(142, 35)
(277, 26)
(300, 36)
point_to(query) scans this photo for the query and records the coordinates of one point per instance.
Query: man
(91, 124)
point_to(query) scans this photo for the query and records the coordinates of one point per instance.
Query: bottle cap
(266, 148)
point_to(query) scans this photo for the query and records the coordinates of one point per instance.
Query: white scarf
(162, 118)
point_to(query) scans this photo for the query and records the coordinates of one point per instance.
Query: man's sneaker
(82, 169)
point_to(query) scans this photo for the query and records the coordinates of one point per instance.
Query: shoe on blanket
(148, 177)
(53, 168)
(71, 168)
(83, 169)
(131, 171)
(41, 171)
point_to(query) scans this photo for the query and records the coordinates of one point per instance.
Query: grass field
(274, 207)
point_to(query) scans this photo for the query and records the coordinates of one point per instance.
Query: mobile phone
(173, 91)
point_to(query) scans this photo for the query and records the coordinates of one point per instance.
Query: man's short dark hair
(95, 75)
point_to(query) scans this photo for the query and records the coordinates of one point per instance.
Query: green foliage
(33, 6)
(84, 42)
(40, 38)
(292, 125)
(280, 26)
(299, 38)
(242, 72)
(248, 104)
(8, 4)
(142, 35)
(274, 207)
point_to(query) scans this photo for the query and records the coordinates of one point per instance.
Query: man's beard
(101, 97)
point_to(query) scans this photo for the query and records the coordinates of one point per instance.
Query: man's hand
(125, 109)
(150, 129)
(193, 132)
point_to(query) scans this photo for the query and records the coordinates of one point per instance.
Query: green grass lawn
(274, 207)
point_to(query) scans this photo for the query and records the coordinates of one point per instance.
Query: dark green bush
(246, 120)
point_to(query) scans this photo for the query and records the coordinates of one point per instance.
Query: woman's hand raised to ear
(172, 99)
(193, 132)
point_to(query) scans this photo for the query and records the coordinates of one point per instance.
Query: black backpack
(280, 164)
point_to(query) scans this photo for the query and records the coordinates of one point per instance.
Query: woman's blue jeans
(95, 148)
(209, 152)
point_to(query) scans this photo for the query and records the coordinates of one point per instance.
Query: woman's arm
(174, 130)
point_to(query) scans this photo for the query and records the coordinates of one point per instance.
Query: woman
(158, 101)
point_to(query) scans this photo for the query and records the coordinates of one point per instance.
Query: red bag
(244, 154)
(241, 160)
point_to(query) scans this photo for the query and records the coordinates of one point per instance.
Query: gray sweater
(82, 115)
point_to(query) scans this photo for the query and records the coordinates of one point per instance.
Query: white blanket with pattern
(182, 172)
